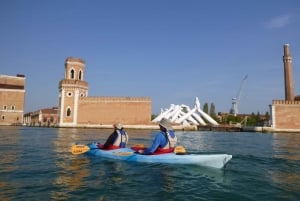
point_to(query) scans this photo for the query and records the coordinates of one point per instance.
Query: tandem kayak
(128, 154)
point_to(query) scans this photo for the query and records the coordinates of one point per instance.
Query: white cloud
(279, 21)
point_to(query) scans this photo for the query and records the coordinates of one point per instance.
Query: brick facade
(12, 96)
(285, 114)
(77, 109)
(106, 110)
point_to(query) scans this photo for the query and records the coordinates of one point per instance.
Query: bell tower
(71, 88)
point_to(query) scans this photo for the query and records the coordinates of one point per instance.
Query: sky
(169, 50)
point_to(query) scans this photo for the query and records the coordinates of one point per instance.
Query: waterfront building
(77, 109)
(47, 117)
(12, 96)
(285, 114)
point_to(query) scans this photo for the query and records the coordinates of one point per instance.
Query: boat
(128, 154)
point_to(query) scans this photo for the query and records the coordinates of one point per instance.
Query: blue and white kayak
(128, 154)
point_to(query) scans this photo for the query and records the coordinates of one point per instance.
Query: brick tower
(288, 74)
(71, 88)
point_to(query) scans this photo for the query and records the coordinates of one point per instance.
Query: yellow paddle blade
(79, 149)
(179, 150)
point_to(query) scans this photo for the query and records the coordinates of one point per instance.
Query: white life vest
(171, 141)
(122, 139)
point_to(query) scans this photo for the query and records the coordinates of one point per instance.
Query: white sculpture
(182, 114)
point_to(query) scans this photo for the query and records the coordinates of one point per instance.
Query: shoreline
(220, 128)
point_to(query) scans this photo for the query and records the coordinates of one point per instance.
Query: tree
(205, 108)
(267, 116)
(212, 111)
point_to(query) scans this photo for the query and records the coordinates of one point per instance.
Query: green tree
(212, 111)
(267, 116)
(251, 121)
(205, 108)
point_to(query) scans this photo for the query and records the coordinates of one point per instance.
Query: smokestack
(288, 74)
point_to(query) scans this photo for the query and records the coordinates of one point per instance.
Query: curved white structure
(182, 114)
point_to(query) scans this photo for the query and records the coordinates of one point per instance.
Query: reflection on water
(71, 170)
(10, 153)
(70, 177)
(286, 145)
(286, 148)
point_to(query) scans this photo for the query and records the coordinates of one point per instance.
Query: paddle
(81, 149)
(179, 150)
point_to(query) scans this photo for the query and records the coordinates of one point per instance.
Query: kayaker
(118, 139)
(164, 142)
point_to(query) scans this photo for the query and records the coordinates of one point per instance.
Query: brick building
(12, 96)
(77, 109)
(44, 117)
(285, 114)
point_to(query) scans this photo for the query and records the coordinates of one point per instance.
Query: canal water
(36, 164)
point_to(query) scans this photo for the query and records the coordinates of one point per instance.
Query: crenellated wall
(114, 99)
(285, 102)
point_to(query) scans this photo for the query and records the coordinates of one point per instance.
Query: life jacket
(170, 145)
(121, 140)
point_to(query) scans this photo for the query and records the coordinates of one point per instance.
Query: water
(36, 164)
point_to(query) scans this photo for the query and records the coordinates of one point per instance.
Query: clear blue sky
(169, 50)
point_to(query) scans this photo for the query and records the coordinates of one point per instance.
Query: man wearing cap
(118, 139)
(164, 142)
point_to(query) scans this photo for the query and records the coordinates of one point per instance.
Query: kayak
(128, 154)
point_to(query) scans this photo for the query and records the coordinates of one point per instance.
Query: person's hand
(140, 151)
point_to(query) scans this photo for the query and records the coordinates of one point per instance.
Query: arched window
(79, 77)
(68, 112)
(72, 74)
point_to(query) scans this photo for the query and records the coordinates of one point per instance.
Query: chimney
(288, 74)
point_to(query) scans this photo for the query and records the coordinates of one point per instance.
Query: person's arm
(154, 145)
(110, 140)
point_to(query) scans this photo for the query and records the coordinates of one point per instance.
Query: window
(3, 117)
(72, 74)
(4, 107)
(79, 77)
(69, 94)
(68, 112)
(12, 107)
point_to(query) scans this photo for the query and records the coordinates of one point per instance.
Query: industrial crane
(235, 101)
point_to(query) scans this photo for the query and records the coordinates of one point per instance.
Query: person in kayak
(118, 139)
(164, 142)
